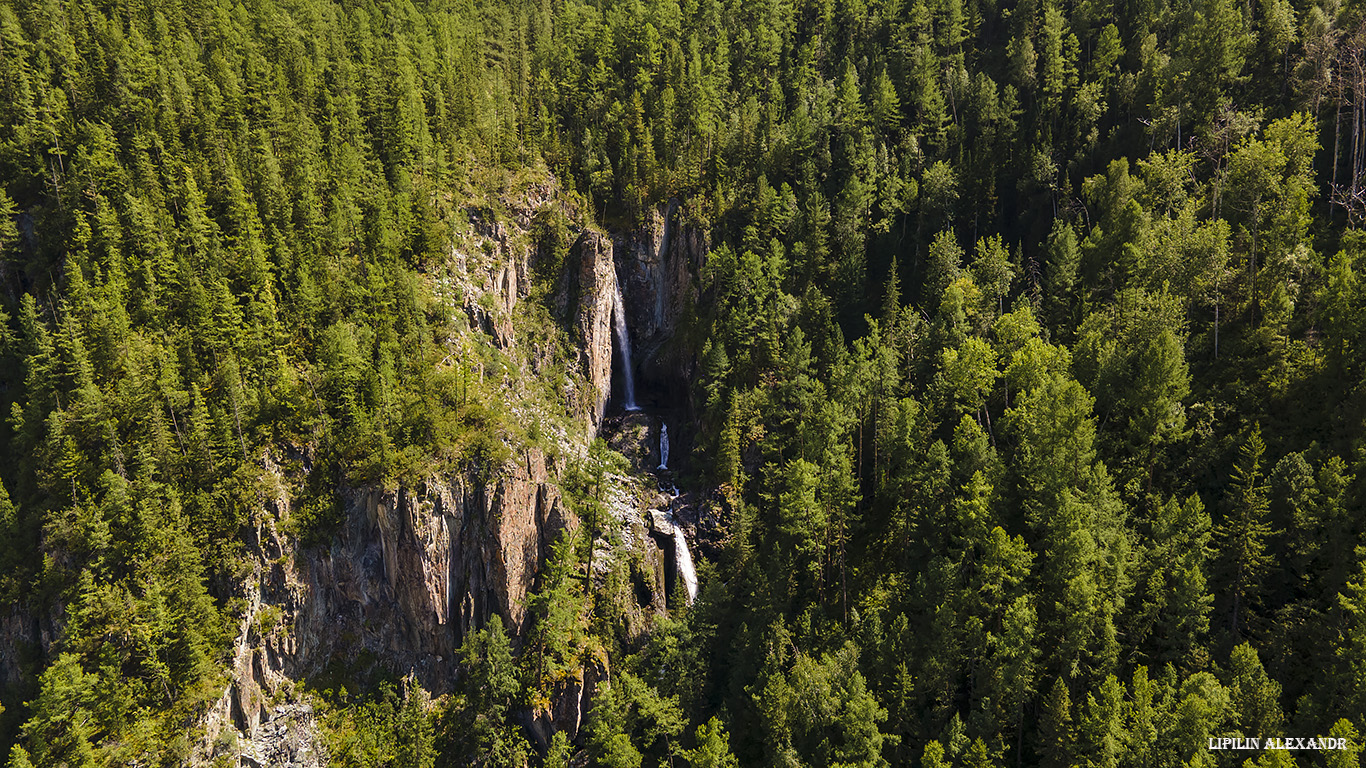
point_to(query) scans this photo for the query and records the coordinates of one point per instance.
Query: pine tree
(1055, 727)
(713, 749)
(1244, 532)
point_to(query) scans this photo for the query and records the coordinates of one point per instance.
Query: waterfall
(684, 559)
(623, 343)
(664, 446)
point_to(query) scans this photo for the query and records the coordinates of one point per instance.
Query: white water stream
(623, 344)
(685, 568)
(682, 556)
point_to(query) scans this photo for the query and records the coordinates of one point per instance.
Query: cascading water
(623, 344)
(684, 560)
(663, 447)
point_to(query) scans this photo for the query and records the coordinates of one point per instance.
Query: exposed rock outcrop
(587, 288)
(415, 568)
(660, 261)
(20, 634)
(571, 703)
(411, 572)
(491, 258)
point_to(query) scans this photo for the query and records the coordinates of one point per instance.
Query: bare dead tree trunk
(1358, 106)
(1358, 118)
(1337, 150)
(1216, 326)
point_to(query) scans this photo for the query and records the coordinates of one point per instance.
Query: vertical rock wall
(660, 260)
(416, 568)
(588, 290)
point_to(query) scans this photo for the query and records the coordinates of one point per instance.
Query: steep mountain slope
(1009, 356)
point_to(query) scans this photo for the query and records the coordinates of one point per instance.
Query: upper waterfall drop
(663, 446)
(623, 344)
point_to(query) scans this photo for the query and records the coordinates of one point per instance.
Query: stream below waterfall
(663, 474)
(684, 559)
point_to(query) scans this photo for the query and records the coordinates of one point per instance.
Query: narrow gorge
(413, 570)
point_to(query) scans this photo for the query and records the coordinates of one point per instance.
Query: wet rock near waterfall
(635, 436)
(660, 261)
(661, 522)
(415, 568)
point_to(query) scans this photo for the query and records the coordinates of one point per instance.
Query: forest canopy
(1027, 365)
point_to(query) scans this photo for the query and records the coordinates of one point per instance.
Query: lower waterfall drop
(663, 447)
(684, 559)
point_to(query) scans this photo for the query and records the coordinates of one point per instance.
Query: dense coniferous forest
(1027, 366)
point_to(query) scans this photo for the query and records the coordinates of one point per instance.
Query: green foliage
(585, 485)
(631, 721)
(386, 728)
(481, 730)
(713, 748)
(993, 290)
(1245, 529)
(558, 643)
(819, 711)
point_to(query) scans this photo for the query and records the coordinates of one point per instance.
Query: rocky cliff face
(414, 569)
(660, 262)
(489, 274)
(24, 637)
(587, 288)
